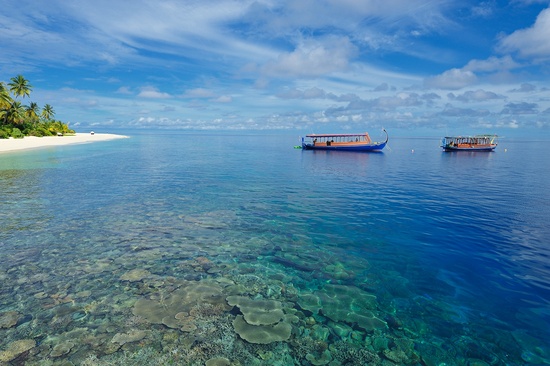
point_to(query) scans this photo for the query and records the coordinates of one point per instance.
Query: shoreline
(33, 142)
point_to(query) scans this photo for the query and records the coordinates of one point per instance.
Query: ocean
(182, 248)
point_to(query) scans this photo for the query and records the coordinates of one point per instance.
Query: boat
(469, 143)
(342, 142)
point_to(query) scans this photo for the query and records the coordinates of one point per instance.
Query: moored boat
(469, 143)
(343, 142)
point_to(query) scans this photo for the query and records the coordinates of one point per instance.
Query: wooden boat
(470, 143)
(342, 142)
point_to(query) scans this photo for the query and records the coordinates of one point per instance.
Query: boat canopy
(476, 140)
(341, 137)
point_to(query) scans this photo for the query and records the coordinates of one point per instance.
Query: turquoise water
(183, 248)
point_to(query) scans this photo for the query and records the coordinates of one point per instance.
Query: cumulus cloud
(223, 99)
(314, 93)
(382, 87)
(524, 88)
(531, 42)
(348, 97)
(452, 111)
(386, 103)
(313, 58)
(150, 92)
(520, 108)
(311, 93)
(451, 79)
(475, 96)
(199, 93)
(492, 64)
(124, 90)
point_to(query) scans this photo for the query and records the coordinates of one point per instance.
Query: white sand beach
(31, 142)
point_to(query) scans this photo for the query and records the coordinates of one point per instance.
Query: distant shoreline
(32, 142)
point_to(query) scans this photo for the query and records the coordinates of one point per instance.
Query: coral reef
(16, 348)
(8, 319)
(262, 334)
(258, 311)
(343, 303)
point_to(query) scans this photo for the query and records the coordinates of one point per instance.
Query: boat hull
(475, 148)
(369, 147)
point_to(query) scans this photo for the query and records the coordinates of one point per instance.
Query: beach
(32, 142)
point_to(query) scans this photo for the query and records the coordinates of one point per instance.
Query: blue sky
(415, 67)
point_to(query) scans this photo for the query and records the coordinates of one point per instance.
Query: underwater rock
(323, 359)
(40, 295)
(292, 264)
(236, 289)
(342, 330)
(218, 361)
(310, 302)
(319, 332)
(477, 363)
(16, 348)
(396, 355)
(183, 323)
(9, 319)
(62, 349)
(343, 303)
(132, 336)
(345, 353)
(83, 294)
(262, 334)
(135, 275)
(339, 272)
(203, 264)
(263, 321)
(181, 300)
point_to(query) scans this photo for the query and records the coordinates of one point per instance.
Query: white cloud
(311, 93)
(531, 42)
(483, 10)
(223, 99)
(475, 96)
(451, 79)
(199, 93)
(524, 88)
(492, 64)
(313, 58)
(124, 90)
(150, 92)
(520, 108)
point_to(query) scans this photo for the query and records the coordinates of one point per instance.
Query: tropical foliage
(19, 120)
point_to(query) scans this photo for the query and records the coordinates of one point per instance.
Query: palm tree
(5, 98)
(13, 114)
(48, 112)
(32, 110)
(20, 86)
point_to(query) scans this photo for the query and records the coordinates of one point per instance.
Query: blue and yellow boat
(342, 142)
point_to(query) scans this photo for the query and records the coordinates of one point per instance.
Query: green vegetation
(18, 120)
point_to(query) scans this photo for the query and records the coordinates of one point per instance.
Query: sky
(416, 67)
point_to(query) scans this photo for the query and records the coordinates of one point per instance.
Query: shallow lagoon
(185, 248)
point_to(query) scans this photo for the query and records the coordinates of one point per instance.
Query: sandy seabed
(32, 142)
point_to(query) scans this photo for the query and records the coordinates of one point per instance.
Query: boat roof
(337, 134)
(469, 137)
